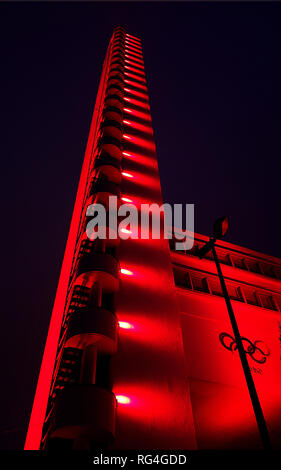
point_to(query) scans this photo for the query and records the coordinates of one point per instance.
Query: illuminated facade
(139, 352)
(221, 406)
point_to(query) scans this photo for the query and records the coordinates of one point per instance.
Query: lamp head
(221, 226)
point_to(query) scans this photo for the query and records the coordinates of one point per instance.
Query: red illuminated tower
(140, 352)
(113, 371)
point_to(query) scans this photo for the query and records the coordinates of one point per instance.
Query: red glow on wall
(127, 175)
(137, 85)
(133, 42)
(136, 93)
(125, 230)
(146, 329)
(138, 103)
(139, 114)
(133, 51)
(137, 66)
(135, 70)
(126, 199)
(138, 273)
(147, 403)
(126, 272)
(141, 159)
(123, 400)
(134, 58)
(125, 325)
(135, 77)
(140, 141)
(139, 127)
(134, 38)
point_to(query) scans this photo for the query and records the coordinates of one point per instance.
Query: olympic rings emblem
(257, 350)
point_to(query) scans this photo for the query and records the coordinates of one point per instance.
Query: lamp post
(220, 229)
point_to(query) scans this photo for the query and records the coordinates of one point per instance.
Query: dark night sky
(214, 79)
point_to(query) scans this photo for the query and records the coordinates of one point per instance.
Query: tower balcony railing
(112, 77)
(113, 99)
(84, 410)
(112, 128)
(115, 88)
(112, 113)
(108, 167)
(116, 70)
(102, 185)
(98, 267)
(111, 145)
(93, 325)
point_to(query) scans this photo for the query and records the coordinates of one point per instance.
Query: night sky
(214, 79)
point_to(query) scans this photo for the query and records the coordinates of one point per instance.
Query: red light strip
(124, 324)
(139, 114)
(135, 84)
(126, 199)
(129, 43)
(132, 52)
(126, 272)
(133, 38)
(139, 127)
(132, 44)
(137, 67)
(122, 399)
(137, 93)
(142, 159)
(124, 230)
(127, 175)
(131, 57)
(140, 104)
(135, 77)
(136, 71)
(140, 141)
(129, 37)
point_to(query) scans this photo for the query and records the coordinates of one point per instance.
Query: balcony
(101, 185)
(93, 326)
(109, 168)
(112, 128)
(112, 146)
(85, 410)
(98, 267)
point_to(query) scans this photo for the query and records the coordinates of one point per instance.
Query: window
(267, 270)
(239, 262)
(199, 283)
(267, 301)
(210, 284)
(251, 297)
(235, 293)
(272, 272)
(181, 278)
(254, 267)
(215, 286)
(224, 258)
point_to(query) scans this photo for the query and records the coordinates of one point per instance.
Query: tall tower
(113, 371)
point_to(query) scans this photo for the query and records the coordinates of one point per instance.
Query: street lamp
(220, 228)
